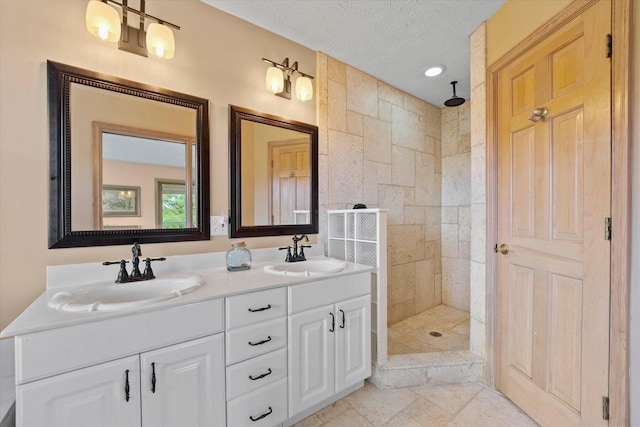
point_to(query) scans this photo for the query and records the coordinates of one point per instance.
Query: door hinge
(607, 228)
(609, 45)
(605, 408)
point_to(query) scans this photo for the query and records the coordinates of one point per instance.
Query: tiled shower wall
(456, 206)
(381, 146)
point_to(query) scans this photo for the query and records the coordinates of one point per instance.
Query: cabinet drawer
(255, 373)
(269, 402)
(254, 340)
(255, 307)
(329, 291)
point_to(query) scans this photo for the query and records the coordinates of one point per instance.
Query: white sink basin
(124, 296)
(317, 267)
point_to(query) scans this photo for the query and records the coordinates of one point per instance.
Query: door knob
(503, 248)
(538, 114)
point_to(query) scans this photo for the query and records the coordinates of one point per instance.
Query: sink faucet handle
(301, 256)
(123, 276)
(288, 248)
(148, 272)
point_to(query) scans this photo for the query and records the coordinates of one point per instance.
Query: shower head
(455, 100)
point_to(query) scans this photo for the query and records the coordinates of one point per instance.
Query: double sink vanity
(198, 346)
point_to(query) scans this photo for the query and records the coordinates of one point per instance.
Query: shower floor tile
(412, 335)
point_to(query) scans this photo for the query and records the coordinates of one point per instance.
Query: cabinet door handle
(342, 326)
(260, 342)
(261, 416)
(127, 388)
(255, 310)
(153, 378)
(260, 376)
(333, 322)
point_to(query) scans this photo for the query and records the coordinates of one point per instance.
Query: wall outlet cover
(219, 226)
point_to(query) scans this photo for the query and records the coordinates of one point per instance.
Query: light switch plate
(219, 226)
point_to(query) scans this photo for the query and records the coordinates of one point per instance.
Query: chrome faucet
(135, 276)
(296, 256)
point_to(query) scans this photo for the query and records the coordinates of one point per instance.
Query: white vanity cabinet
(329, 345)
(263, 356)
(64, 380)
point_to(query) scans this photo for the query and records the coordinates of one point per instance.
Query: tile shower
(385, 148)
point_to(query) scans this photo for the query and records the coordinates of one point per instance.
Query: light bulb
(103, 31)
(159, 50)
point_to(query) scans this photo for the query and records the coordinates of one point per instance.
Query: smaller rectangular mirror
(274, 175)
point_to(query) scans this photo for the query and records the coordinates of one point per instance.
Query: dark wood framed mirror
(112, 141)
(273, 175)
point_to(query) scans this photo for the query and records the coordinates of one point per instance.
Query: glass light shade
(160, 41)
(275, 80)
(103, 21)
(304, 88)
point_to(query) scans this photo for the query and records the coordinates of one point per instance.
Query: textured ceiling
(393, 40)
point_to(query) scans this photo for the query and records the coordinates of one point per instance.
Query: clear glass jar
(238, 257)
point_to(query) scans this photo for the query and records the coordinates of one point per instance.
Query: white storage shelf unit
(360, 236)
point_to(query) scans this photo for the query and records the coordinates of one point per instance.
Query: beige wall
(381, 147)
(218, 57)
(515, 20)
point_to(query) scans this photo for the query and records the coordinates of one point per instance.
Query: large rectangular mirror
(129, 162)
(274, 175)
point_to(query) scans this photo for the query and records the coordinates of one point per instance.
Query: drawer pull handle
(333, 322)
(260, 376)
(153, 378)
(261, 416)
(261, 342)
(342, 326)
(127, 389)
(255, 310)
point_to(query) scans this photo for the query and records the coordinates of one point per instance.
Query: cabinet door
(311, 358)
(188, 386)
(94, 396)
(353, 341)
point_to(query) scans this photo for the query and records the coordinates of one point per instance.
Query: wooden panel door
(291, 181)
(183, 384)
(311, 358)
(554, 194)
(95, 396)
(353, 341)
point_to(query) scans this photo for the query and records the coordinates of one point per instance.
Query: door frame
(620, 197)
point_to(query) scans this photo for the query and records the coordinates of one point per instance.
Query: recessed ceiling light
(436, 70)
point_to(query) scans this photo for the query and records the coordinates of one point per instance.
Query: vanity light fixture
(278, 80)
(103, 21)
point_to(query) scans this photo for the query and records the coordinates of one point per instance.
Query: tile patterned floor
(412, 335)
(456, 405)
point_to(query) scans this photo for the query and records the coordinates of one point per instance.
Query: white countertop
(218, 283)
